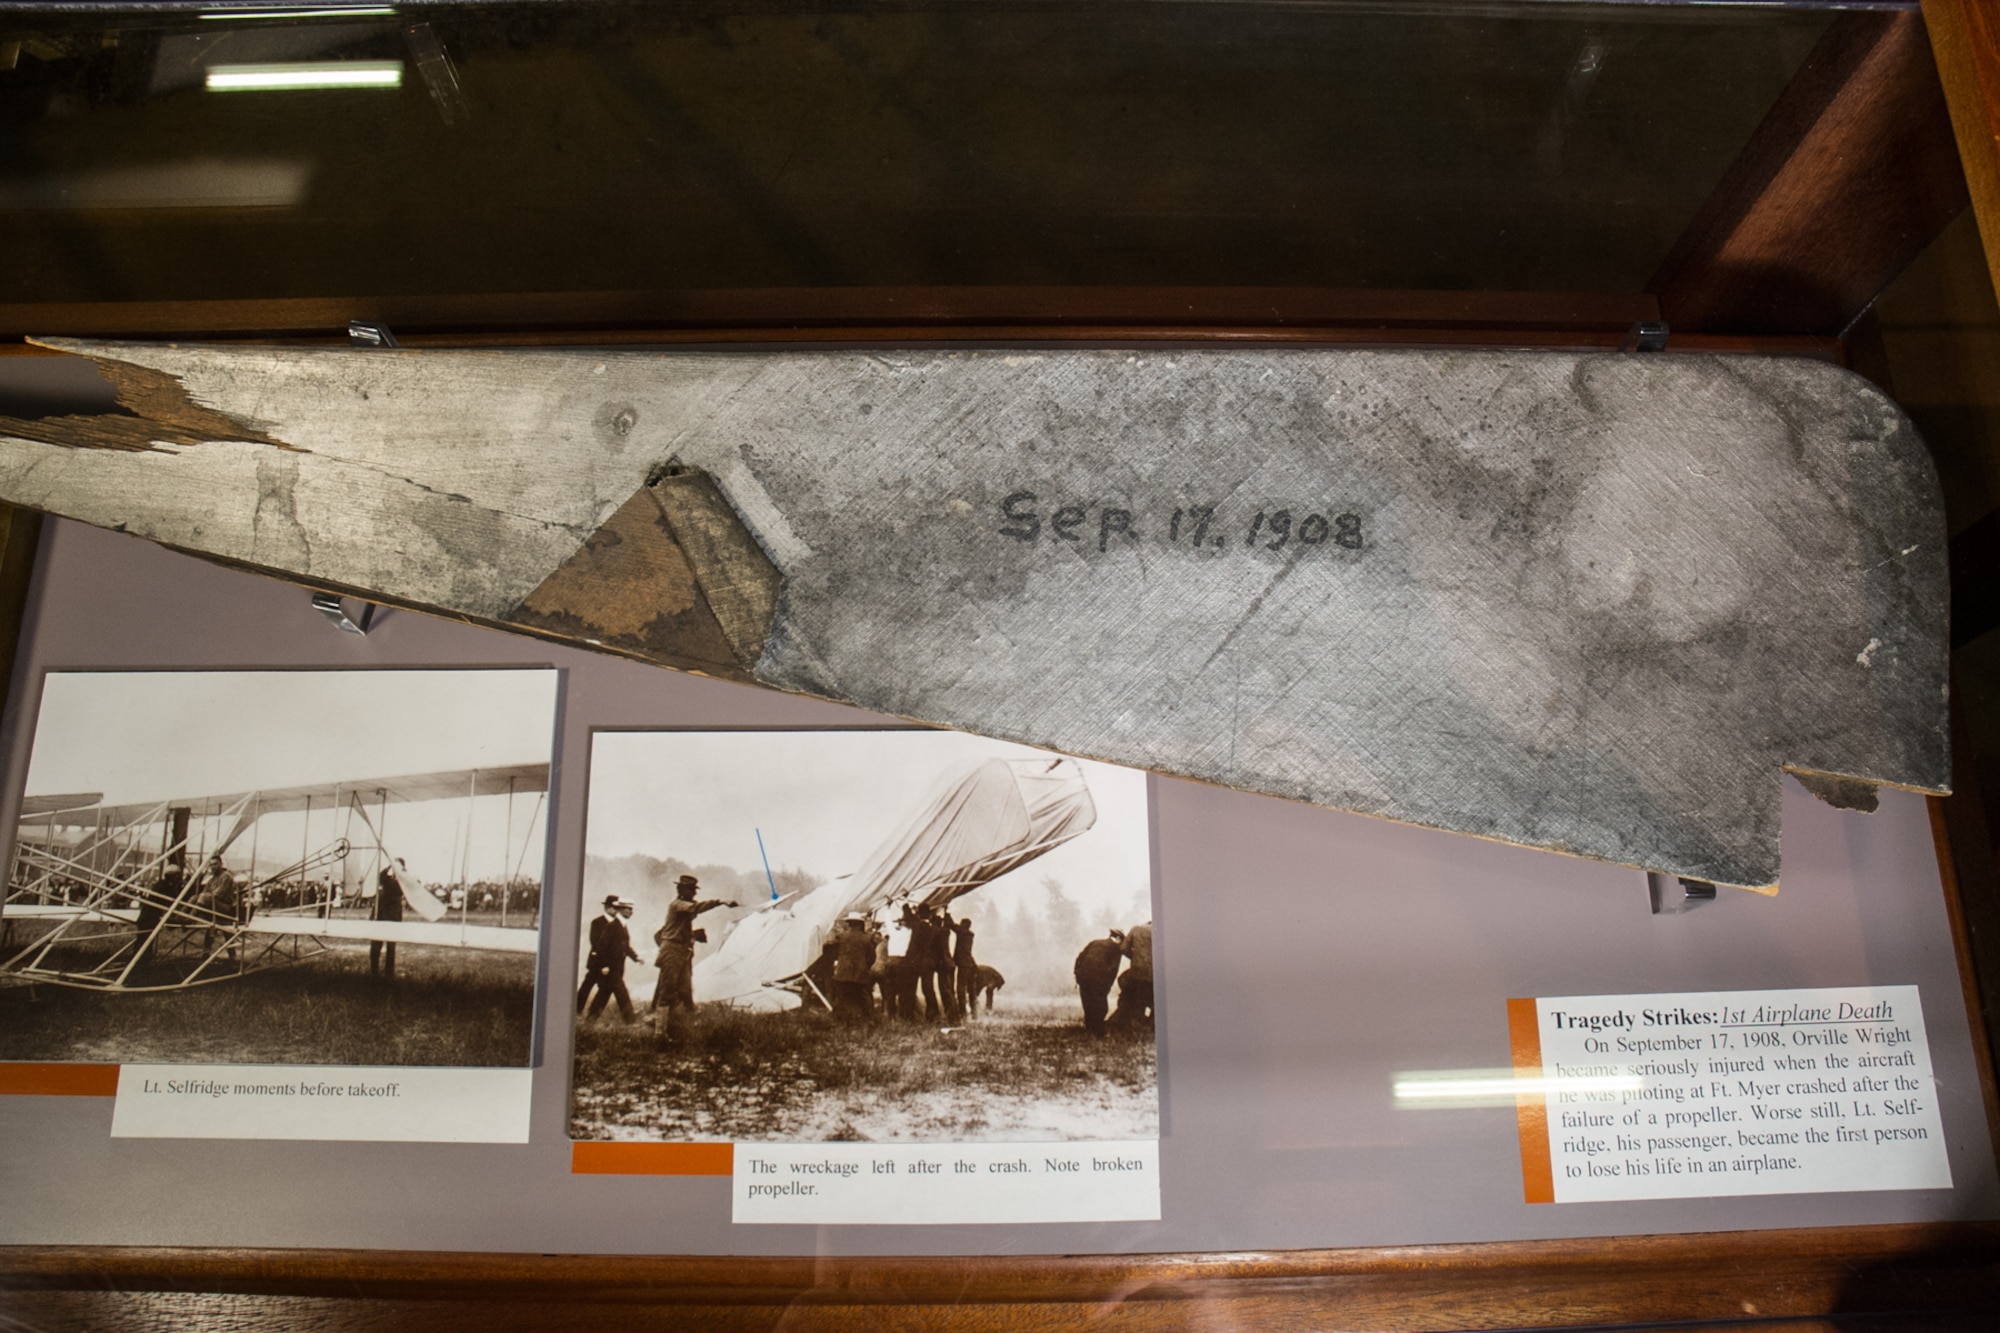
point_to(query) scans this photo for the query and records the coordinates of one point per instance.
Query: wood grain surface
(1717, 1276)
(331, 333)
(1849, 177)
(1960, 825)
(817, 312)
(20, 534)
(59, 1312)
(1965, 38)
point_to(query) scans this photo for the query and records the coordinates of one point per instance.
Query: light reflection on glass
(357, 11)
(1450, 1089)
(193, 182)
(305, 74)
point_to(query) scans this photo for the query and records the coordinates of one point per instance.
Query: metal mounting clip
(330, 605)
(1672, 895)
(1646, 336)
(367, 333)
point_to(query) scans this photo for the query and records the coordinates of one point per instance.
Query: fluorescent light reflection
(292, 77)
(357, 11)
(196, 182)
(1449, 1089)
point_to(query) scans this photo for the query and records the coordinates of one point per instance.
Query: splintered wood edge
(159, 411)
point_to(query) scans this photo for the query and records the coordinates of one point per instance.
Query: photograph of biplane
(898, 935)
(279, 867)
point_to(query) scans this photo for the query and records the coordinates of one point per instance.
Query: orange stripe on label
(652, 1159)
(1531, 1109)
(25, 1080)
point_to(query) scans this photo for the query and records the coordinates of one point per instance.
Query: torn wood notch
(1841, 793)
(156, 410)
(631, 589)
(738, 579)
(673, 576)
(1590, 603)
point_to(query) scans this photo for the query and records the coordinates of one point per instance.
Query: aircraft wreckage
(977, 824)
(1586, 602)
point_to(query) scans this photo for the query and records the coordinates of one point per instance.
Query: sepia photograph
(881, 936)
(279, 867)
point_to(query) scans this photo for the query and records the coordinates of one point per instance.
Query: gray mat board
(1305, 957)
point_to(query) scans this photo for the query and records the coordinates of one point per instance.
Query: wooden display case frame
(1888, 128)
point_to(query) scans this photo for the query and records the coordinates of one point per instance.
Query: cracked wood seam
(1579, 602)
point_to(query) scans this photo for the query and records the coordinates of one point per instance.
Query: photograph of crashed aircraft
(183, 853)
(892, 920)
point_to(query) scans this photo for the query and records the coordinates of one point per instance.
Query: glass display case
(1340, 1089)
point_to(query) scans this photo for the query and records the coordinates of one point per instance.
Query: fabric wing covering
(419, 896)
(978, 824)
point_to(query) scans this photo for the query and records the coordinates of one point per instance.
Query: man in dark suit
(935, 970)
(965, 969)
(926, 938)
(604, 970)
(1096, 968)
(1135, 988)
(388, 907)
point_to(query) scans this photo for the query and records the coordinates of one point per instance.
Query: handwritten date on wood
(1195, 527)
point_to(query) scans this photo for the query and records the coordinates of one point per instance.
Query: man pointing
(677, 938)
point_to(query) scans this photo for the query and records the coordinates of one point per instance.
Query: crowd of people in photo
(520, 901)
(909, 963)
(920, 959)
(52, 891)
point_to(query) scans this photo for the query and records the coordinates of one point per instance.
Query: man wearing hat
(853, 961)
(604, 971)
(677, 938)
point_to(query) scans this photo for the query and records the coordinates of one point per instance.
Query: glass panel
(608, 147)
(1335, 1048)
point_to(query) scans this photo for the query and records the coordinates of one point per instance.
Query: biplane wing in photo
(980, 821)
(142, 896)
(359, 854)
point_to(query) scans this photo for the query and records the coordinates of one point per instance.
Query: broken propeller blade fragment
(1576, 601)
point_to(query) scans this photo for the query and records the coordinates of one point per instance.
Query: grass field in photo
(1026, 1073)
(446, 1007)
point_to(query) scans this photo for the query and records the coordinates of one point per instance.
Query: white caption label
(1739, 1092)
(386, 1104)
(947, 1182)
